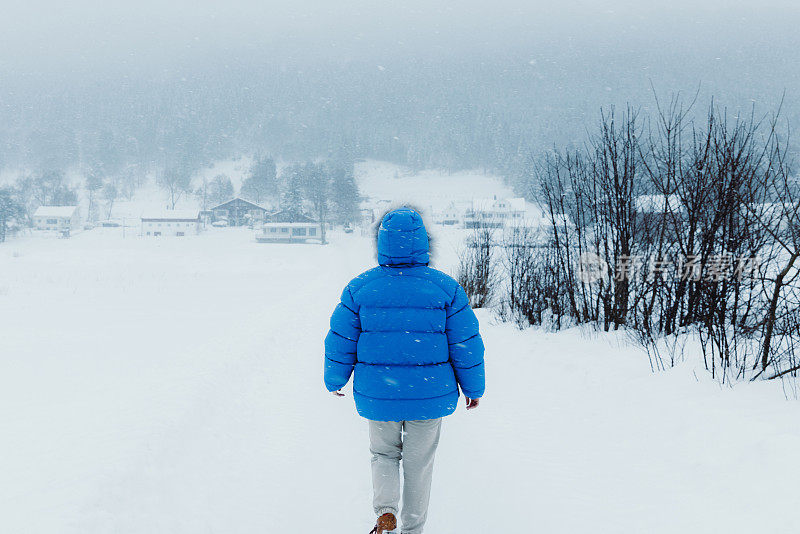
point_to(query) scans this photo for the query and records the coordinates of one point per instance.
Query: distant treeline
(451, 113)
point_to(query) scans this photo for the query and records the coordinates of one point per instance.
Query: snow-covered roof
(55, 211)
(171, 215)
(241, 200)
(290, 224)
(487, 204)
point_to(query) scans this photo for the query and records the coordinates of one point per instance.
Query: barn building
(171, 223)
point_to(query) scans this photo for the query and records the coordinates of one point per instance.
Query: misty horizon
(382, 81)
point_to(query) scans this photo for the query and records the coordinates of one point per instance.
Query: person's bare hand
(337, 393)
(472, 403)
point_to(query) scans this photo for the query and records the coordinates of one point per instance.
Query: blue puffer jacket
(407, 330)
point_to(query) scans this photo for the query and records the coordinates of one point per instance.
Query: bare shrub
(476, 268)
(533, 295)
(697, 226)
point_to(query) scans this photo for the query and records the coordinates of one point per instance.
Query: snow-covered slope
(175, 386)
(237, 169)
(384, 181)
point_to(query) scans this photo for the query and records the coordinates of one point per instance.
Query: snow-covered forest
(185, 190)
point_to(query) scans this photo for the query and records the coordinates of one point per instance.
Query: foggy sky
(465, 83)
(41, 35)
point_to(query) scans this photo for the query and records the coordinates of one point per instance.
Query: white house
(289, 232)
(494, 212)
(171, 223)
(62, 219)
(452, 215)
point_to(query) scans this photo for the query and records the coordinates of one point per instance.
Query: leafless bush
(476, 268)
(534, 294)
(697, 226)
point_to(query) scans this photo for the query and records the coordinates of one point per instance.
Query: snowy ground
(175, 386)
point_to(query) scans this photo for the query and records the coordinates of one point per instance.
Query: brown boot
(386, 522)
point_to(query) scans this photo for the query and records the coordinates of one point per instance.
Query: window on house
(298, 231)
(179, 234)
(284, 230)
(273, 230)
(312, 231)
(52, 221)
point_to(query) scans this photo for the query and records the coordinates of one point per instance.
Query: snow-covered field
(175, 386)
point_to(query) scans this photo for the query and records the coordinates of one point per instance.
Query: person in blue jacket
(408, 334)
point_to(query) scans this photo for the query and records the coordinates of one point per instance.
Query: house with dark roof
(239, 212)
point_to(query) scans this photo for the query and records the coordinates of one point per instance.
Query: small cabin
(452, 215)
(290, 232)
(61, 219)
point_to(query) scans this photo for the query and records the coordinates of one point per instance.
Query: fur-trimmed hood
(402, 239)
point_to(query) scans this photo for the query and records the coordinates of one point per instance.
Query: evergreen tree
(262, 182)
(24, 191)
(292, 196)
(11, 209)
(345, 197)
(220, 190)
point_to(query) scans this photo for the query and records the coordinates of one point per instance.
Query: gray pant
(415, 443)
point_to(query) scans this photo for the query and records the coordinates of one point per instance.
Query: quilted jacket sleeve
(465, 345)
(341, 341)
